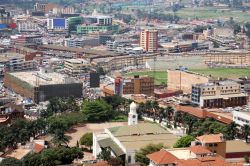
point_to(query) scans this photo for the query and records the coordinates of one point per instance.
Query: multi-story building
(42, 85)
(97, 24)
(213, 142)
(119, 62)
(44, 7)
(134, 85)
(29, 53)
(245, 84)
(98, 20)
(85, 29)
(27, 27)
(218, 95)
(149, 40)
(16, 62)
(5, 17)
(241, 118)
(81, 42)
(192, 156)
(63, 10)
(76, 66)
(73, 22)
(57, 24)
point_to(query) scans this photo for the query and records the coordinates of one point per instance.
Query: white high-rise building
(132, 116)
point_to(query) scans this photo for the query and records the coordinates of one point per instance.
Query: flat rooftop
(135, 137)
(237, 146)
(10, 55)
(34, 77)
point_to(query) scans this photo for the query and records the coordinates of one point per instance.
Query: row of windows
(242, 120)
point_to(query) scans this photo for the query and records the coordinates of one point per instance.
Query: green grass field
(223, 72)
(160, 76)
(212, 13)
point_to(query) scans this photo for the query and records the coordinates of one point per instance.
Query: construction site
(42, 85)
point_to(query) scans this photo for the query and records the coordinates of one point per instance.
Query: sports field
(212, 13)
(160, 76)
(224, 72)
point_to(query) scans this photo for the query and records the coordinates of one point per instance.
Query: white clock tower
(132, 115)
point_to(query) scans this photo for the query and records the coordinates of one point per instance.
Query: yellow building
(149, 40)
(76, 66)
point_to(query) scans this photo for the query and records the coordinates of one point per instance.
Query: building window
(215, 145)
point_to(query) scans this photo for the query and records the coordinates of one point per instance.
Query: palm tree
(178, 118)
(232, 130)
(169, 114)
(245, 131)
(189, 121)
(60, 138)
(161, 114)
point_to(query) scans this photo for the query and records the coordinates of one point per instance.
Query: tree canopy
(184, 141)
(97, 110)
(141, 155)
(87, 140)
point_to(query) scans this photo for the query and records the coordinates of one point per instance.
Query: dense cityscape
(125, 83)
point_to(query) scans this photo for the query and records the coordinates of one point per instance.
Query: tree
(11, 162)
(87, 140)
(232, 131)
(60, 156)
(184, 141)
(57, 127)
(169, 114)
(97, 111)
(101, 71)
(115, 101)
(71, 104)
(245, 132)
(105, 154)
(189, 120)
(141, 155)
(32, 159)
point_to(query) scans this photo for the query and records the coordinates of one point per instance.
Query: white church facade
(124, 141)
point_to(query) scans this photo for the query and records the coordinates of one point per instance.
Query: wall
(179, 80)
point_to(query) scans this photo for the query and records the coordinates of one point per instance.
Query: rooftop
(162, 157)
(34, 77)
(237, 146)
(199, 150)
(10, 55)
(137, 136)
(211, 138)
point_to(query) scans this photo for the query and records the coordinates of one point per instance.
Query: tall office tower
(149, 40)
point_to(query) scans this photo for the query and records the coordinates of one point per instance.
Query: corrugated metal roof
(109, 143)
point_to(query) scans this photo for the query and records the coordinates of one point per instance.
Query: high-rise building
(149, 40)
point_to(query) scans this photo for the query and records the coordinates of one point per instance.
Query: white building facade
(241, 118)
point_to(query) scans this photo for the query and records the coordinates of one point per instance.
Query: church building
(124, 141)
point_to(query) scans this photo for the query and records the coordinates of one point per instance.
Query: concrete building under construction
(42, 85)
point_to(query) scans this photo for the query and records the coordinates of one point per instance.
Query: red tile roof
(197, 112)
(162, 157)
(211, 138)
(199, 150)
(204, 161)
(38, 148)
